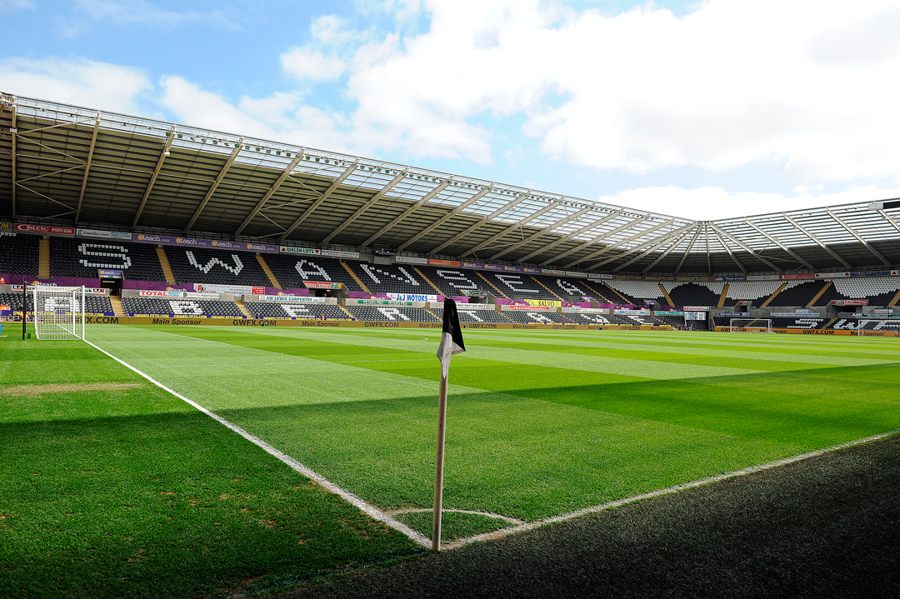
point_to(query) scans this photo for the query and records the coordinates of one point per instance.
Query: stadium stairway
(723, 297)
(491, 285)
(666, 294)
(355, 277)
(44, 263)
(828, 324)
(427, 280)
(547, 289)
(828, 285)
(239, 302)
(772, 297)
(605, 296)
(894, 301)
(164, 264)
(436, 317)
(117, 307)
(271, 275)
(346, 311)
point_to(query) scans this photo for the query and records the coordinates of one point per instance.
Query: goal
(750, 325)
(58, 312)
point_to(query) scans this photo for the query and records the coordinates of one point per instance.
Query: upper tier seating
(83, 257)
(455, 281)
(391, 314)
(798, 293)
(878, 290)
(517, 285)
(571, 290)
(180, 307)
(292, 270)
(607, 295)
(216, 267)
(475, 316)
(391, 278)
(20, 255)
(692, 294)
(756, 292)
(295, 311)
(638, 290)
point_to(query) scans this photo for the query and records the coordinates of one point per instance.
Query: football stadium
(219, 378)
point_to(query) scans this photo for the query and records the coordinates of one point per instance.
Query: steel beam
(615, 244)
(791, 252)
(858, 237)
(159, 163)
(689, 247)
(87, 168)
(511, 229)
(545, 231)
(215, 184)
(518, 199)
(573, 234)
(271, 191)
(481, 193)
(817, 240)
(318, 201)
(662, 256)
(365, 207)
(418, 204)
(652, 244)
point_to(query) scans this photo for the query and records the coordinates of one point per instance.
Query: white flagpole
(439, 474)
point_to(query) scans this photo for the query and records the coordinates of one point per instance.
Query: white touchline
(363, 506)
(505, 532)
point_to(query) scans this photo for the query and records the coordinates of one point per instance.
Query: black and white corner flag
(451, 340)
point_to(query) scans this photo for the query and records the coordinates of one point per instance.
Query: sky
(705, 109)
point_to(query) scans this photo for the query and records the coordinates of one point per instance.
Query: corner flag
(451, 343)
(451, 340)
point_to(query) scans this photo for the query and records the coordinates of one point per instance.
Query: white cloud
(142, 12)
(306, 63)
(15, 5)
(712, 203)
(81, 82)
(808, 86)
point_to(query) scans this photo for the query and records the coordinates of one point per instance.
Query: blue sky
(700, 109)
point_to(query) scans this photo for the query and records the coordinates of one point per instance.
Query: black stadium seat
(216, 267)
(83, 257)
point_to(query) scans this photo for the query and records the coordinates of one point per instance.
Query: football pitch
(541, 424)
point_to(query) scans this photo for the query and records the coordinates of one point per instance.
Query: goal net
(58, 312)
(750, 325)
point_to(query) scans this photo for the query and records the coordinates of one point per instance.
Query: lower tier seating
(180, 307)
(391, 314)
(282, 310)
(475, 316)
(524, 317)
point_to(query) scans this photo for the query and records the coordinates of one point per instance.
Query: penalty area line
(365, 507)
(603, 507)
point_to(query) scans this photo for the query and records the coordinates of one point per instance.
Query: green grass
(540, 423)
(130, 492)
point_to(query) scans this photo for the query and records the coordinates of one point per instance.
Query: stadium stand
(291, 271)
(393, 278)
(94, 304)
(14, 301)
(525, 317)
(878, 290)
(798, 293)
(455, 281)
(692, 294)
(674, 321)
(294, 311)
(518, 286)
(637, 291)
(216, 267)
(180, 307)
(82, 258)
(391, 314)
(585, 318)
(20, 255)
(755, 292)
(571, 290)
(475, 316)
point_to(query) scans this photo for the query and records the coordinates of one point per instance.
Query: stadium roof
(69, 164)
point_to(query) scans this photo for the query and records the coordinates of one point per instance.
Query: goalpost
(58, 312)
(750, 325)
